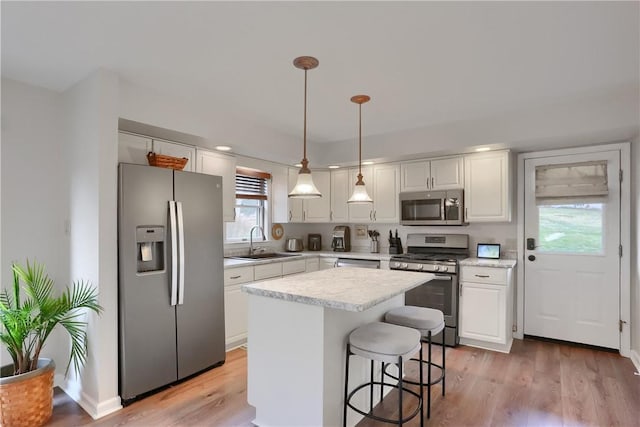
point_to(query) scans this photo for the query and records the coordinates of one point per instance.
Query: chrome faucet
(251, 249)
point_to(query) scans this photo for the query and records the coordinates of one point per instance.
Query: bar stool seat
(384, 342)
(389, 344)
(428, 322)
(420, 318)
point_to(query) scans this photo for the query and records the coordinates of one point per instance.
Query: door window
(571, 228)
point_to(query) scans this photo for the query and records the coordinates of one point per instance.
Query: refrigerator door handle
(174, 252)
(180, 254)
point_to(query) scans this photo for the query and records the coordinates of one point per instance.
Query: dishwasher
(359, 263)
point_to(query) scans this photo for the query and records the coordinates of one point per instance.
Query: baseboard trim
(635, 358)
(94, 409)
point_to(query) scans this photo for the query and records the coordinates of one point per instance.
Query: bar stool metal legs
(429, 322)
(389, 344)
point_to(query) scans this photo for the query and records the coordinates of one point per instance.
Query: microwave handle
(442, 209)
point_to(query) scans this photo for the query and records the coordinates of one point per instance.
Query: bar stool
(389, 344)
(428, 322)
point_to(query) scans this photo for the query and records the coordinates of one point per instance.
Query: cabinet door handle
(304, 215)
(432, 182)
(482, 275)
(235, 277)
(331, 216)
(374, 215)
(290, 215)
(466, 216)
(460, 289)
(371, 215)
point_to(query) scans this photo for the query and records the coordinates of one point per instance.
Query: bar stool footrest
(377, 418)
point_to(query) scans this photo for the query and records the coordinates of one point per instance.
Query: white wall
(594, 119)
(635, 251)
(91, 124)
(34, 192)
(212, 122)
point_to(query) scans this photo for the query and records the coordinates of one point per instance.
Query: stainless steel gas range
(438, 254)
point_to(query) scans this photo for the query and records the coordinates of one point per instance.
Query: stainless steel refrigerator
(170, 278)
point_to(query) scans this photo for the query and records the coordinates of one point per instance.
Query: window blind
(251, 184)
(585, 181)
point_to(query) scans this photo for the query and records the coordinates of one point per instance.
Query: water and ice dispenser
(150, 248)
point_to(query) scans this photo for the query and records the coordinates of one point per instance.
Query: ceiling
(423, 63)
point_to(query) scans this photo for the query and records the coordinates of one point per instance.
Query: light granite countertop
(234, 262)
(351, 289)
(481, 262)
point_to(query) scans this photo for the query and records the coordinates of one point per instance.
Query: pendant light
(305, 188)
(360, 194)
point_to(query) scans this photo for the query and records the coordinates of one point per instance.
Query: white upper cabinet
(213, 163)
(487, 194)
(133, 148)
(294, 205)
(438, 174)
(280, 194)
(386, 182)
(311, 210)
(319, 210)
(383, 183)
(339, 195)
(176, 150)
(361, 212)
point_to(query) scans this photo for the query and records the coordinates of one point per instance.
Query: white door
(572, 265)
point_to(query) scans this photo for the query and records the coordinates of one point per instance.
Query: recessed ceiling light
(333, 166)
(298, 165)
(483, 149)
(368, 162)
(223, 148)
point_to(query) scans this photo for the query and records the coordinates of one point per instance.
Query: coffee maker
(341, 239)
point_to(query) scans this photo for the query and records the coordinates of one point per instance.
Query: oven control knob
(420, 267)
(404, 265)
(444, 268)
(395, 264)
(436, 268)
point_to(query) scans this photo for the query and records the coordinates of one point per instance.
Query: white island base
(296, 360)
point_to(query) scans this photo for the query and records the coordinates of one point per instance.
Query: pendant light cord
(360, 140)
(304, 156)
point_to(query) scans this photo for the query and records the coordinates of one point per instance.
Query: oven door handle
(440, 277)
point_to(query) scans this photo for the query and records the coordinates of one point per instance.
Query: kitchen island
(298, 329)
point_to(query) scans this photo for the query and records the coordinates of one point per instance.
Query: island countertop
(351, 289)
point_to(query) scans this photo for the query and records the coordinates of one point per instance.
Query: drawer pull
(235, 277)
(482, 275)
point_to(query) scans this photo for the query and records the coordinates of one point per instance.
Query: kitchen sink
(264, 256)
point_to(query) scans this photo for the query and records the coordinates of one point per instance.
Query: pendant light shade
(360, 194)
(305, 188)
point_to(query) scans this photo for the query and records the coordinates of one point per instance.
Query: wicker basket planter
(27, 400)
(163, 161)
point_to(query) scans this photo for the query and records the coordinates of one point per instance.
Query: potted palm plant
(26, 386)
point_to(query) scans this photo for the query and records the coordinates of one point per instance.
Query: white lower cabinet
(268, 271)
(486, 307)
(236, 306)
(294, 267)
(312, 264)
(327, 263)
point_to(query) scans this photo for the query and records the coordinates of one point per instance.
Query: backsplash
(502, 233)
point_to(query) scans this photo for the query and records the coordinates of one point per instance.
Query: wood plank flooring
(537, 384)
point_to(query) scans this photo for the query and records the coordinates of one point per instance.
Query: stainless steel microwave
(432, 208)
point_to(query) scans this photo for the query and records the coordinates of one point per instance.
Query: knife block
(395, 245)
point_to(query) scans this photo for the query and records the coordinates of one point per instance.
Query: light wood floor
(537, 384)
